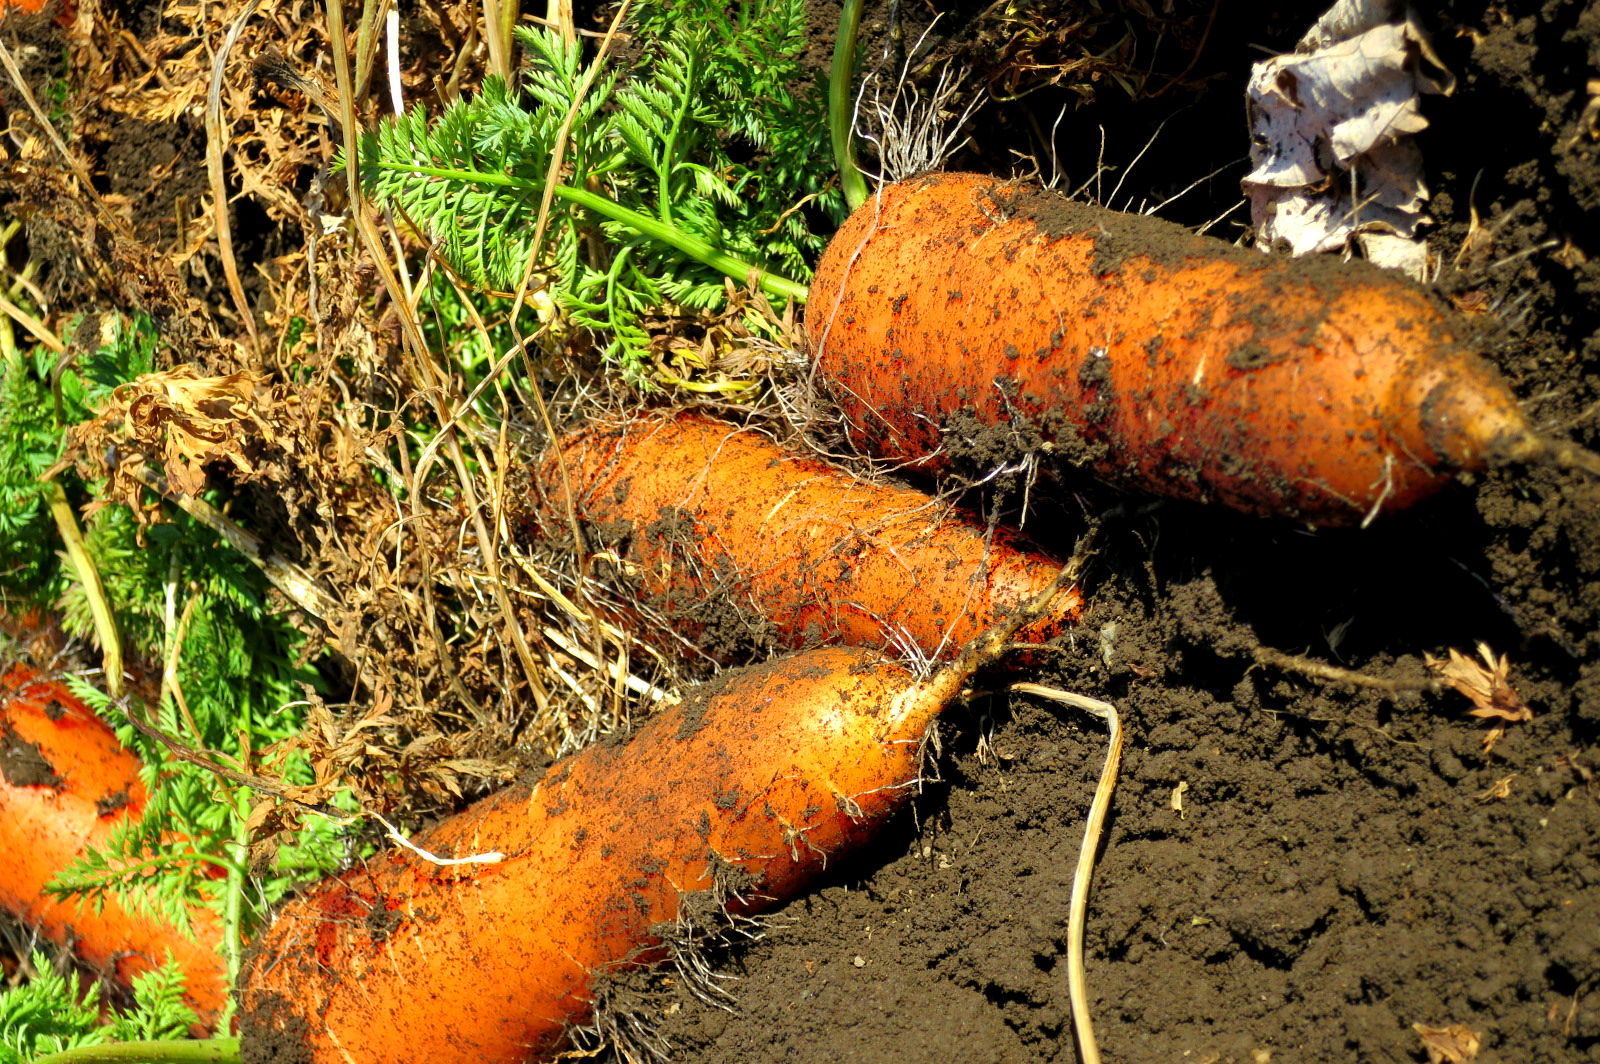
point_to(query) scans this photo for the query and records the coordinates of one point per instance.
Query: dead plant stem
(1077, 982)
(552, 175)
(112, 220)
(82, 563)
(1323, 671)
(33, 325)
(216, 134)
(434, 385)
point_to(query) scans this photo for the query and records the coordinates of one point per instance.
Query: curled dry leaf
(179, 422)
(1500, 791)
(1455, 1044)
(1332, 137)
(1485, 683)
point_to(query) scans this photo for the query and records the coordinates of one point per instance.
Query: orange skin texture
(774, 770)
(1164, 361)
(823, 555)
(48, 734)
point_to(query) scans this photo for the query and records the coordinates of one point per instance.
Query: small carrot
(1159, 359)
(709, 515)
(747, 789)
(65, 784)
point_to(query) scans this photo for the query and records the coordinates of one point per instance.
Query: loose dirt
(1345, 864)
(1294, 869)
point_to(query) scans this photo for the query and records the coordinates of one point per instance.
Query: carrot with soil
(711, 516)
(65, 784)
(746, 790)
(1159, 359)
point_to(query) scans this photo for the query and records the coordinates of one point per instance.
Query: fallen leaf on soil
(1177, 797)
(1335, 160)
(1486, 685)
(1455, 1044)
(1500, 790)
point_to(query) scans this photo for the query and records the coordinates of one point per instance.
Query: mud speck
(23, 764)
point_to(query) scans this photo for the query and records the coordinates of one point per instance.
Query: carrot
(65, 783)
(747, 789)
(707, 514)
(1161, 360)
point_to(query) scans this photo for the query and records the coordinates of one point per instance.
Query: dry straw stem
(432, 383)
(1321, 670)
(216, 135)
(1077, 983)
(551, 177)
(82, 562)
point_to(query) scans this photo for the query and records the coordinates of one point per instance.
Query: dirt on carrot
(732, 543)
(748, 791)
(1333, 876)
(65, 784)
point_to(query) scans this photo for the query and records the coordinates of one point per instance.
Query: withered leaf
(1486, 685)
(1455, 1044)
(1500, 791)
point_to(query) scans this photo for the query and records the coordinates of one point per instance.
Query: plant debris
(1332, 138)
(1486, 685)
(1455, 1044)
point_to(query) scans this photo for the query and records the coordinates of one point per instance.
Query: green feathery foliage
(706, 154)
(237, 662)
(36, 404)
(53, 1012)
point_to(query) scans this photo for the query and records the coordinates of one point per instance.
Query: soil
(1344, 864)
(1294, 869)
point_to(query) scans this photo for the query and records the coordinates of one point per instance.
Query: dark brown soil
(1340, 869)
(1343, 865)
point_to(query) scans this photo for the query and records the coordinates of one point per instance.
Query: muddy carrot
(1158, 359)
(732, 538)
(65, 784)
(746, 790)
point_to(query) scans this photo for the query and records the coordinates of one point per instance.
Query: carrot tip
(1568, 455)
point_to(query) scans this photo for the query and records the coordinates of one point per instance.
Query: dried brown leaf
(1455, 1044)
(1486, 685)
(1500, 791)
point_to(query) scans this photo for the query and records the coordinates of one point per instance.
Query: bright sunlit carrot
(748, 790)
(730, 536)
(65, 783)
(1162, 360)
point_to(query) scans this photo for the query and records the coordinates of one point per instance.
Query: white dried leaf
(1332, 136)
(1346, 19)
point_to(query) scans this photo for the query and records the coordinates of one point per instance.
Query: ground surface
(1336, 874)
(1341, 868)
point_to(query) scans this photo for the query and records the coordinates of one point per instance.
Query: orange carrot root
(1158, 359)
(710, 516)
(65, 783)
(766, 776)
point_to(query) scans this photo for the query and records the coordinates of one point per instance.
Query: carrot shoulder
(749, 788)
(716, 521)
(1161, 360)
(65, 783)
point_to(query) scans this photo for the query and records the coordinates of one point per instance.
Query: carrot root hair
(1564, 454)
(925, 700)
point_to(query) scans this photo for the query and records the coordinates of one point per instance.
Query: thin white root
(492, 857)
(1077, 984)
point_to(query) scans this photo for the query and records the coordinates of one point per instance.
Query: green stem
(125, 869)
(233, 913)
(841, 104)
(669, 146)
(165, 1051)
(690, 245)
